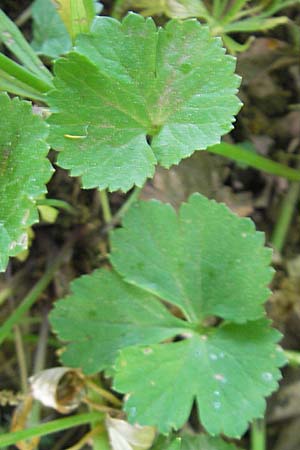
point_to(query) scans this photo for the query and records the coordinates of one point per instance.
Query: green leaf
(202, 262)
(11, 84)
(175, 445)
(228, 372)
(24, 172)
(204, 442)
(14, 70)
(14, 40)
(104, 314)
(166, 443)
(277, 5)
(192, 442)
(138, 96)
(50, 36)
(254, 24)
(77, 15)
(214, 263)
(234, 46)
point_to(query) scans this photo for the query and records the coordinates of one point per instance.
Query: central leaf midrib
(154, 123)
(104, 98)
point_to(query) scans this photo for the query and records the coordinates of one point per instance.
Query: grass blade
(239, 154)
(13, 39)
(47, 428)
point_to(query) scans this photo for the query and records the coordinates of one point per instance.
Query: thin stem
(63, 440)
(21, 357)
(35, 292)
(285, 216)
(41, 349)
(104, 393)
(123, 210)
(39, 364)
(24, 16)
(14, 283)
(47, 428)
(258, 435)
(97, 430)
(105, 206)
(239, 154)
(100, 408)
(293, 357)
(56, 203)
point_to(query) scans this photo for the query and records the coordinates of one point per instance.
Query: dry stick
(14, 282)
(39, 364)
(61, 442)
(5, 294)
(36, 291)
(21, 357)
(23, 17)
(97, 430)
(19, 346)
(41, 350)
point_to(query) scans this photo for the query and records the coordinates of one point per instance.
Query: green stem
(105, 206)
(123, 210)
(111, 398)
(21, 358)
(35, 292)
(293, 357)
(56, 203)
(239, 154)
(285, 216)
(258, 435)
(47, 428)
(23, 75)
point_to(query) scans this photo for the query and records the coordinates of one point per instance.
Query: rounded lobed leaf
(207, 261)
(228, 372)
(138, 96)
(204, 442)
(104, 314)
(24, 172)
(50, 36)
